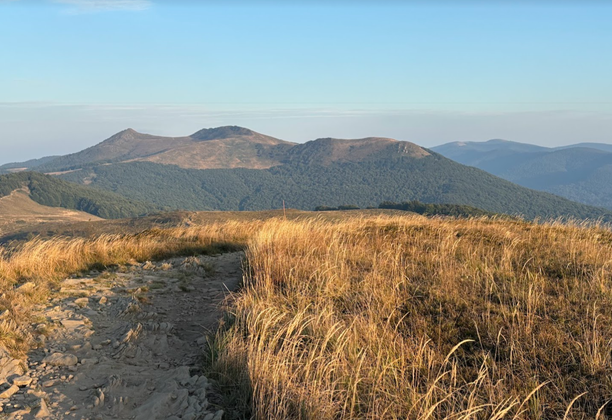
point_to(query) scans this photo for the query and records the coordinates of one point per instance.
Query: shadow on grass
(229, 369)
(215, 248)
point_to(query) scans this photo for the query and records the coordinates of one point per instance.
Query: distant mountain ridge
(21, 166)
(224, 148)
(580, 172)
(234, 168)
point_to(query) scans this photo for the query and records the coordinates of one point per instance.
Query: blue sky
(74, 72)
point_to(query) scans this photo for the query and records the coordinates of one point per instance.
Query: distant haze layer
(30, 131)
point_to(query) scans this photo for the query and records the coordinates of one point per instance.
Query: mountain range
(580, 172)
(234, 168)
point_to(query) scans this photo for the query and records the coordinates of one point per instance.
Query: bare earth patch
(125, 344)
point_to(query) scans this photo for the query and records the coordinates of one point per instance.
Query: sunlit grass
(418, 318)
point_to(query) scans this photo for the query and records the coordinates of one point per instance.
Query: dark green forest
(433, 179)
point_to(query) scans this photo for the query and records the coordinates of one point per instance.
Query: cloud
(94, 6)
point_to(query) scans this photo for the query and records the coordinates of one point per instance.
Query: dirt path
(126, 345)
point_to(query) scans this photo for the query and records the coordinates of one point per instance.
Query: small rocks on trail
(124, 344)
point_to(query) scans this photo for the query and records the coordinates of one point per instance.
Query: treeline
(415, 206)
(54, 192)
(339, 208)
(431, 209)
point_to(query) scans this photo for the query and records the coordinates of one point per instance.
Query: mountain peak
(127, 134)
(224, 132)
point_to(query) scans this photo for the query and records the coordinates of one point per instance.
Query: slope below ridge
(326, 151)
(235, 132)
(226, 153)
(225, 147)
(18, 204)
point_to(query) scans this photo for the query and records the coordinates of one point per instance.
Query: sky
(74, 72)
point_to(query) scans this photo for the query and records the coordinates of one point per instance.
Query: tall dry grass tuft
(44, 262)
(408, 317)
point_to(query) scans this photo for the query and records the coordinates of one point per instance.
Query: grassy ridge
(408, 317)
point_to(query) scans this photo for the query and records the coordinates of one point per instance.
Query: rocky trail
(124, 344)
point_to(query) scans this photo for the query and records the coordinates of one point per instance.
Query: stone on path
(43, 410)
(22, 381)
(61, 359)
(72, 323)
(82, 302)
(8, 393)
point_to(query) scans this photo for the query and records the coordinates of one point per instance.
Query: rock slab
(61, 359)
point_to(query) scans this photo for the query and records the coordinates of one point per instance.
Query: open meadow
(376, 316)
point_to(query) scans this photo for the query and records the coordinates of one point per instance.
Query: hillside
(19, 211)
(52, 192)
(576, 172)
(224, 148)
(431, 179)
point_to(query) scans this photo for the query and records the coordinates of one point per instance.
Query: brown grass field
(380, 316)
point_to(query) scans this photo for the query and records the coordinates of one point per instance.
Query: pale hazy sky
(74, 72)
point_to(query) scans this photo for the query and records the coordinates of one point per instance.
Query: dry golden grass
(415, 318)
